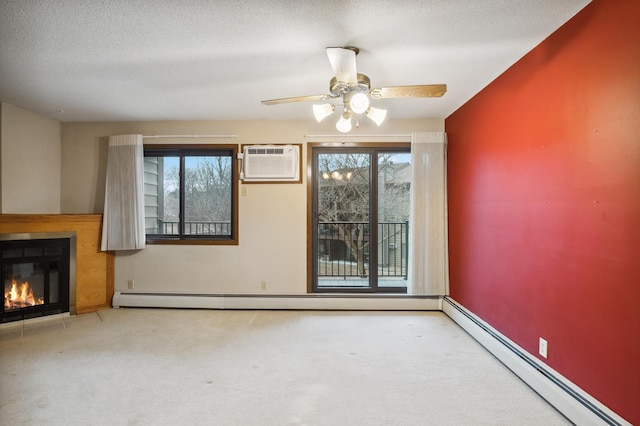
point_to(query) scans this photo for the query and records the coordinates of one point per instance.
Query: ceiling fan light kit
(359, 103)
(322, 111)
(355, 91)
(344, 123)
(376, 115)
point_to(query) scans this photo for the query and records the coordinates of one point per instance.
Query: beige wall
(31, 166)
(272, 217)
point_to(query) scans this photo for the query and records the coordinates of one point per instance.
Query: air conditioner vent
(265, 151)
(265, 163)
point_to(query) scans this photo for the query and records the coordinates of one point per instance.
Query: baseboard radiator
(376, 302)
(574, 403)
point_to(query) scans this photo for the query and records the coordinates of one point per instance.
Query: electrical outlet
(542, 347)
(263, 285)
(130, 284)
(243, 191)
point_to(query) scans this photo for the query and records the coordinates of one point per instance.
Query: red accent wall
(544, 202)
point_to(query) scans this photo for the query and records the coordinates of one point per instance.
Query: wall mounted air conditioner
(270, 163)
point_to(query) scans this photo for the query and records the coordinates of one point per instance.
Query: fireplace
(38, 274)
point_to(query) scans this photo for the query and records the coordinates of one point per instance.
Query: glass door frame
(373, 149)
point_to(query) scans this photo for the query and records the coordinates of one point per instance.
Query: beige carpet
(207, 367)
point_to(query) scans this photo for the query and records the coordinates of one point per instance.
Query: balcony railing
(344, 247)
(196, 228)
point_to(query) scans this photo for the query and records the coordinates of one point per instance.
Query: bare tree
(207, 188)
(207, 185)
(344, 182)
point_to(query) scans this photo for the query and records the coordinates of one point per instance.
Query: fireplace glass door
(35, 275)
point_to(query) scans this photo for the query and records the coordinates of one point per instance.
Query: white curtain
(123, 219)
(428, 248)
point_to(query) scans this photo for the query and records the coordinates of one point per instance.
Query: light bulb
(377, 115)
(323, 111)
(344, 124)
(359, 103)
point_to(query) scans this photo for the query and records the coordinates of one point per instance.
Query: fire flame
(20, 296)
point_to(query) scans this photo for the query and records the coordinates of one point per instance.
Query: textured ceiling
(112, 60)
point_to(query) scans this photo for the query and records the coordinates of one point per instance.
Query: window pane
(207, 195)
(343, 219)
(344, 187)
(162, 195)
(394, 186)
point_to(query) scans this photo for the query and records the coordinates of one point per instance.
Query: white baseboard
(375, 302)
(573, 402)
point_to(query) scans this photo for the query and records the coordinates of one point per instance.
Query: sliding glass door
(360, 219)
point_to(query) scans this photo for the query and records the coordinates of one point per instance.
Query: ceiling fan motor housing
(339, 88)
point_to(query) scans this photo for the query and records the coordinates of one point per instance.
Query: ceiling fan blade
(297, 99)
(343, 62)
(418, 91)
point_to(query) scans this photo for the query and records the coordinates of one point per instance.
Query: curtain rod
(401, 135)
(357, 138)
(188, 136)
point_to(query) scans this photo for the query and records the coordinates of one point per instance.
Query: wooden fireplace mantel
(94, 268)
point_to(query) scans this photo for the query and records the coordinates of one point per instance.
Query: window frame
(373, 149)
(184, 150)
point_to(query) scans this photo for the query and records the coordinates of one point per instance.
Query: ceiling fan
(354, 89)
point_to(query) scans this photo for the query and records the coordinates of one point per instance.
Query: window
(190, 194)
